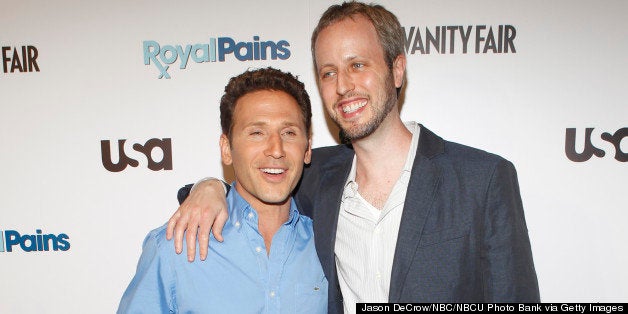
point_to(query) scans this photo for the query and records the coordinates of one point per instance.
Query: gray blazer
(463, 235)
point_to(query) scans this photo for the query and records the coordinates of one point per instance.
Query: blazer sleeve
(184, 192)
(508, 268)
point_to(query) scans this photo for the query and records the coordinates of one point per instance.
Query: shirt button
(378, 275)
(258, 249)
(237, 224)
(272, 294)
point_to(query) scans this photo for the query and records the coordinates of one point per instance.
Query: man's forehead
(263, 106)
(358, 20)
(261, 96)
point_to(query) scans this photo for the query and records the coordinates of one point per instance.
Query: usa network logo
(163, 146)
(589, 150)
(11, 240)
(214, 50)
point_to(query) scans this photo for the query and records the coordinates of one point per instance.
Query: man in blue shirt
(269, 263)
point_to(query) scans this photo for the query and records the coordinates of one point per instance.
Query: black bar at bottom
(581, 308)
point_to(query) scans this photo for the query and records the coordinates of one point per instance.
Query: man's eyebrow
(257, 123)
(288, 123)
(264, 123)
(346, 58)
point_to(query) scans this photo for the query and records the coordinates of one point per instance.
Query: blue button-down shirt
(237, 276)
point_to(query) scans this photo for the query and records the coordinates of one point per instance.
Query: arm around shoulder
(202, 211)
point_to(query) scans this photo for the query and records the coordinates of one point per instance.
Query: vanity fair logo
(456, 39)
(589, 150)
(19, 59)
(153, 145)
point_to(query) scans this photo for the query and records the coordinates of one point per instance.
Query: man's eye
(328, 74)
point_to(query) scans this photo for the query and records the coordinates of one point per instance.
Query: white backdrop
(88, 83)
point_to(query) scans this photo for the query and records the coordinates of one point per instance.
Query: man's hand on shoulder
(204, 210)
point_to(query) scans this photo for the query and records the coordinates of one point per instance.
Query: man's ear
(308, 152)
(225, 150)
(399, 68)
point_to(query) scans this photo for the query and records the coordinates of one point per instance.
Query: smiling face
(269, 145)
(357, 87)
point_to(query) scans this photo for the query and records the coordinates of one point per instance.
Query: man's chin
(275, 199)
(357, 132)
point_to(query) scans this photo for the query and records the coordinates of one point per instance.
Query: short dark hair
(263, 79)
(387, 26)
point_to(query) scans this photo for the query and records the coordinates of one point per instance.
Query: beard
(357, 131)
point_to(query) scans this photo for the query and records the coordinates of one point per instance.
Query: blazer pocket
(444, 235)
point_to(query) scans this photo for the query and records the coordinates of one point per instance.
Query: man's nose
(275, 146)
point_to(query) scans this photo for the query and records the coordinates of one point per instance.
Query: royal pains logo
(163, 146)
(11, 240)
(479, 39)
(588, 149)
(19, 59)
(215, 50)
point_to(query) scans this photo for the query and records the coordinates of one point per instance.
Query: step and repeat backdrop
(108, 107)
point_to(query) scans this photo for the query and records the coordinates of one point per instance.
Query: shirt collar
(415, 129)
(239, 210)
(351, 187)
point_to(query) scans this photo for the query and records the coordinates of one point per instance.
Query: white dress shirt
(366, 236)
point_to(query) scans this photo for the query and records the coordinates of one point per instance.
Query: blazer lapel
(335, 173)
(423, 184)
